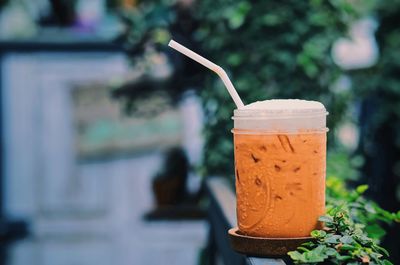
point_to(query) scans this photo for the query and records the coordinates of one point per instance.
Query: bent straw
(213, 67)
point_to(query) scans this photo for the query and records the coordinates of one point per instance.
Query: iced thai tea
(280, 175)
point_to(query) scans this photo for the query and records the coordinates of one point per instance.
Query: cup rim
(278, 132)
(278, 114)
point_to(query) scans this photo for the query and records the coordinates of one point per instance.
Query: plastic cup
(280, 164)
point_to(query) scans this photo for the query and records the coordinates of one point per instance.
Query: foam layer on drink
(285, 104)
(281, 115)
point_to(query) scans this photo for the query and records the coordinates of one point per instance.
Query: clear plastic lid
(281, 115)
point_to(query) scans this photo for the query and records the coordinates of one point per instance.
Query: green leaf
(318, 233)
(234, 59)
(237, 15)
(320, 250)
(313, 256)
(370, 208)
(326, 219)
(346, 239)
(343, 258)
(303, 249)
(361, 189)
(271, 19)
(332, 239)
(381, 249)
(375, 231)
(330, 252)
(347, 247)
(309, 244)
(296, 256)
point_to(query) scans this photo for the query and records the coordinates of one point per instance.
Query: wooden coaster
(263, 247)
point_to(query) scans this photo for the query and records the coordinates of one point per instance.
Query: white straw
(213, 67)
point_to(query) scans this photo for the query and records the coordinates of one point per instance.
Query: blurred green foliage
(149, 22)
(270, 49)
(341, 168)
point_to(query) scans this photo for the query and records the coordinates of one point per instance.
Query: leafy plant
(342, 241)
(340, 165)
(272, 49)
(361, 210)
(342, 168)
(148, 23)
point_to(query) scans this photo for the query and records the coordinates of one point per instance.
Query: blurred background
(108, 135)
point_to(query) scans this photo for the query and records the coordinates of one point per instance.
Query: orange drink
(280, 157)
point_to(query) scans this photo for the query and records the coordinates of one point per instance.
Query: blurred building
(75, 169)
